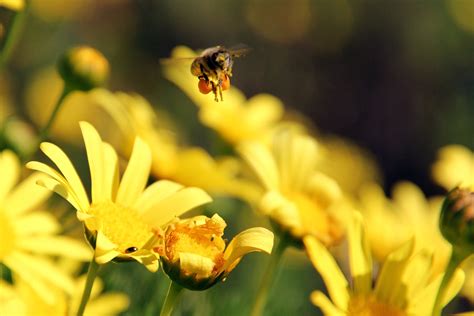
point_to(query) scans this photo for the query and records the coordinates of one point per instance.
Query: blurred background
(395, 77)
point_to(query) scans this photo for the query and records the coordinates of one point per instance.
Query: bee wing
(168, 61)
(239, 50)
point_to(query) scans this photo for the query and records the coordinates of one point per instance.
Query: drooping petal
(95, 157)
(250, 240)
(57, 246)
(147, 258)
(262, 163)
(454, 286)
(105, 249)
(327, 267)
(196, 264)
(155, 193)
(10, 168)
(61, 160)
(26, 196)
(359, 256)
(136, 175)
(326, 306)
(111, 172)
(57, 184)
(175, 205)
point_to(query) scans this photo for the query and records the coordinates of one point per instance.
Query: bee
(213, 68)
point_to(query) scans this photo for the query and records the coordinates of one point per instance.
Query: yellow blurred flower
(402, 287)
(298, 197)
(454, 167)
(256, 116)
(195, 255)
(123, 215)
(29, 234)
(462, 12)
(19, 299)
(391, 222)
(15, 5)
(350, 165)
(191, 166)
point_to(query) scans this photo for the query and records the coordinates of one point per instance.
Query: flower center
(369, 306)
(7, 236)
(196, 237)
(122, 225)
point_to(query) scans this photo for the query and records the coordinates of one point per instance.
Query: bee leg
(220, 92)
(214, 90)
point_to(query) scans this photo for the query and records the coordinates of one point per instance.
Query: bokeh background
(395, 77)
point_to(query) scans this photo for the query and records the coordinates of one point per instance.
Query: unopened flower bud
(457, 219)
(83, 68)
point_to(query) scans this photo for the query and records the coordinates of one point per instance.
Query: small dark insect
(131, 249)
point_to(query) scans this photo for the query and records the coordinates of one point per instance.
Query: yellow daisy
(298, 198)
(192, 166)
(454, 167)
(402, 286)
(29, 234)
(123, 215)
(19, 299)
(257, 116)
(194, 253)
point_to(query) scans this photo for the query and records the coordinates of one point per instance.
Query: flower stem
(269, 276)
(91, 274)
(45, 130)
(456, 258)
(13, 34)
(171, 299)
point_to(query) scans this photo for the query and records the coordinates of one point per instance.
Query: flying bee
(213, 67)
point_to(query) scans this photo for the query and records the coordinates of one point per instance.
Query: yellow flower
(256, 116)
(454, 167)
(191, 166)
(402, 286)
(391, 222)
(298, 198)
(19, 299)
(29, 234)
(194, 254)
(15, 5)
(123, 215)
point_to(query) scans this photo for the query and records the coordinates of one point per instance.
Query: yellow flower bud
(195, 256)
(83, 68)
(457, 219)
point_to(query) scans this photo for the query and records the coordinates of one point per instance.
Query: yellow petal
(136, 176)
(326, 306)
(196, 264)
(260, 159)
(61, 160)
(10, 168)
(105, 249)
(327, 267)
(284, 212)
(390, 276)
(26, 196)
(41, 267)
(454, 286)
(250, 240)
(147, 258)
(360, 257)
(95, 157)
(57, 246)
(416, 274)
(57, 184)
(175, 205)
(36, 223)
(15, 5)
(155, 193)
(111, 172)
(107, 304)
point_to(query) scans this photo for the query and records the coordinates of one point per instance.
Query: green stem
(91, 275)
(269, 276)
(45, 130)
(13, 35)
(171, 299)
(455, 260)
